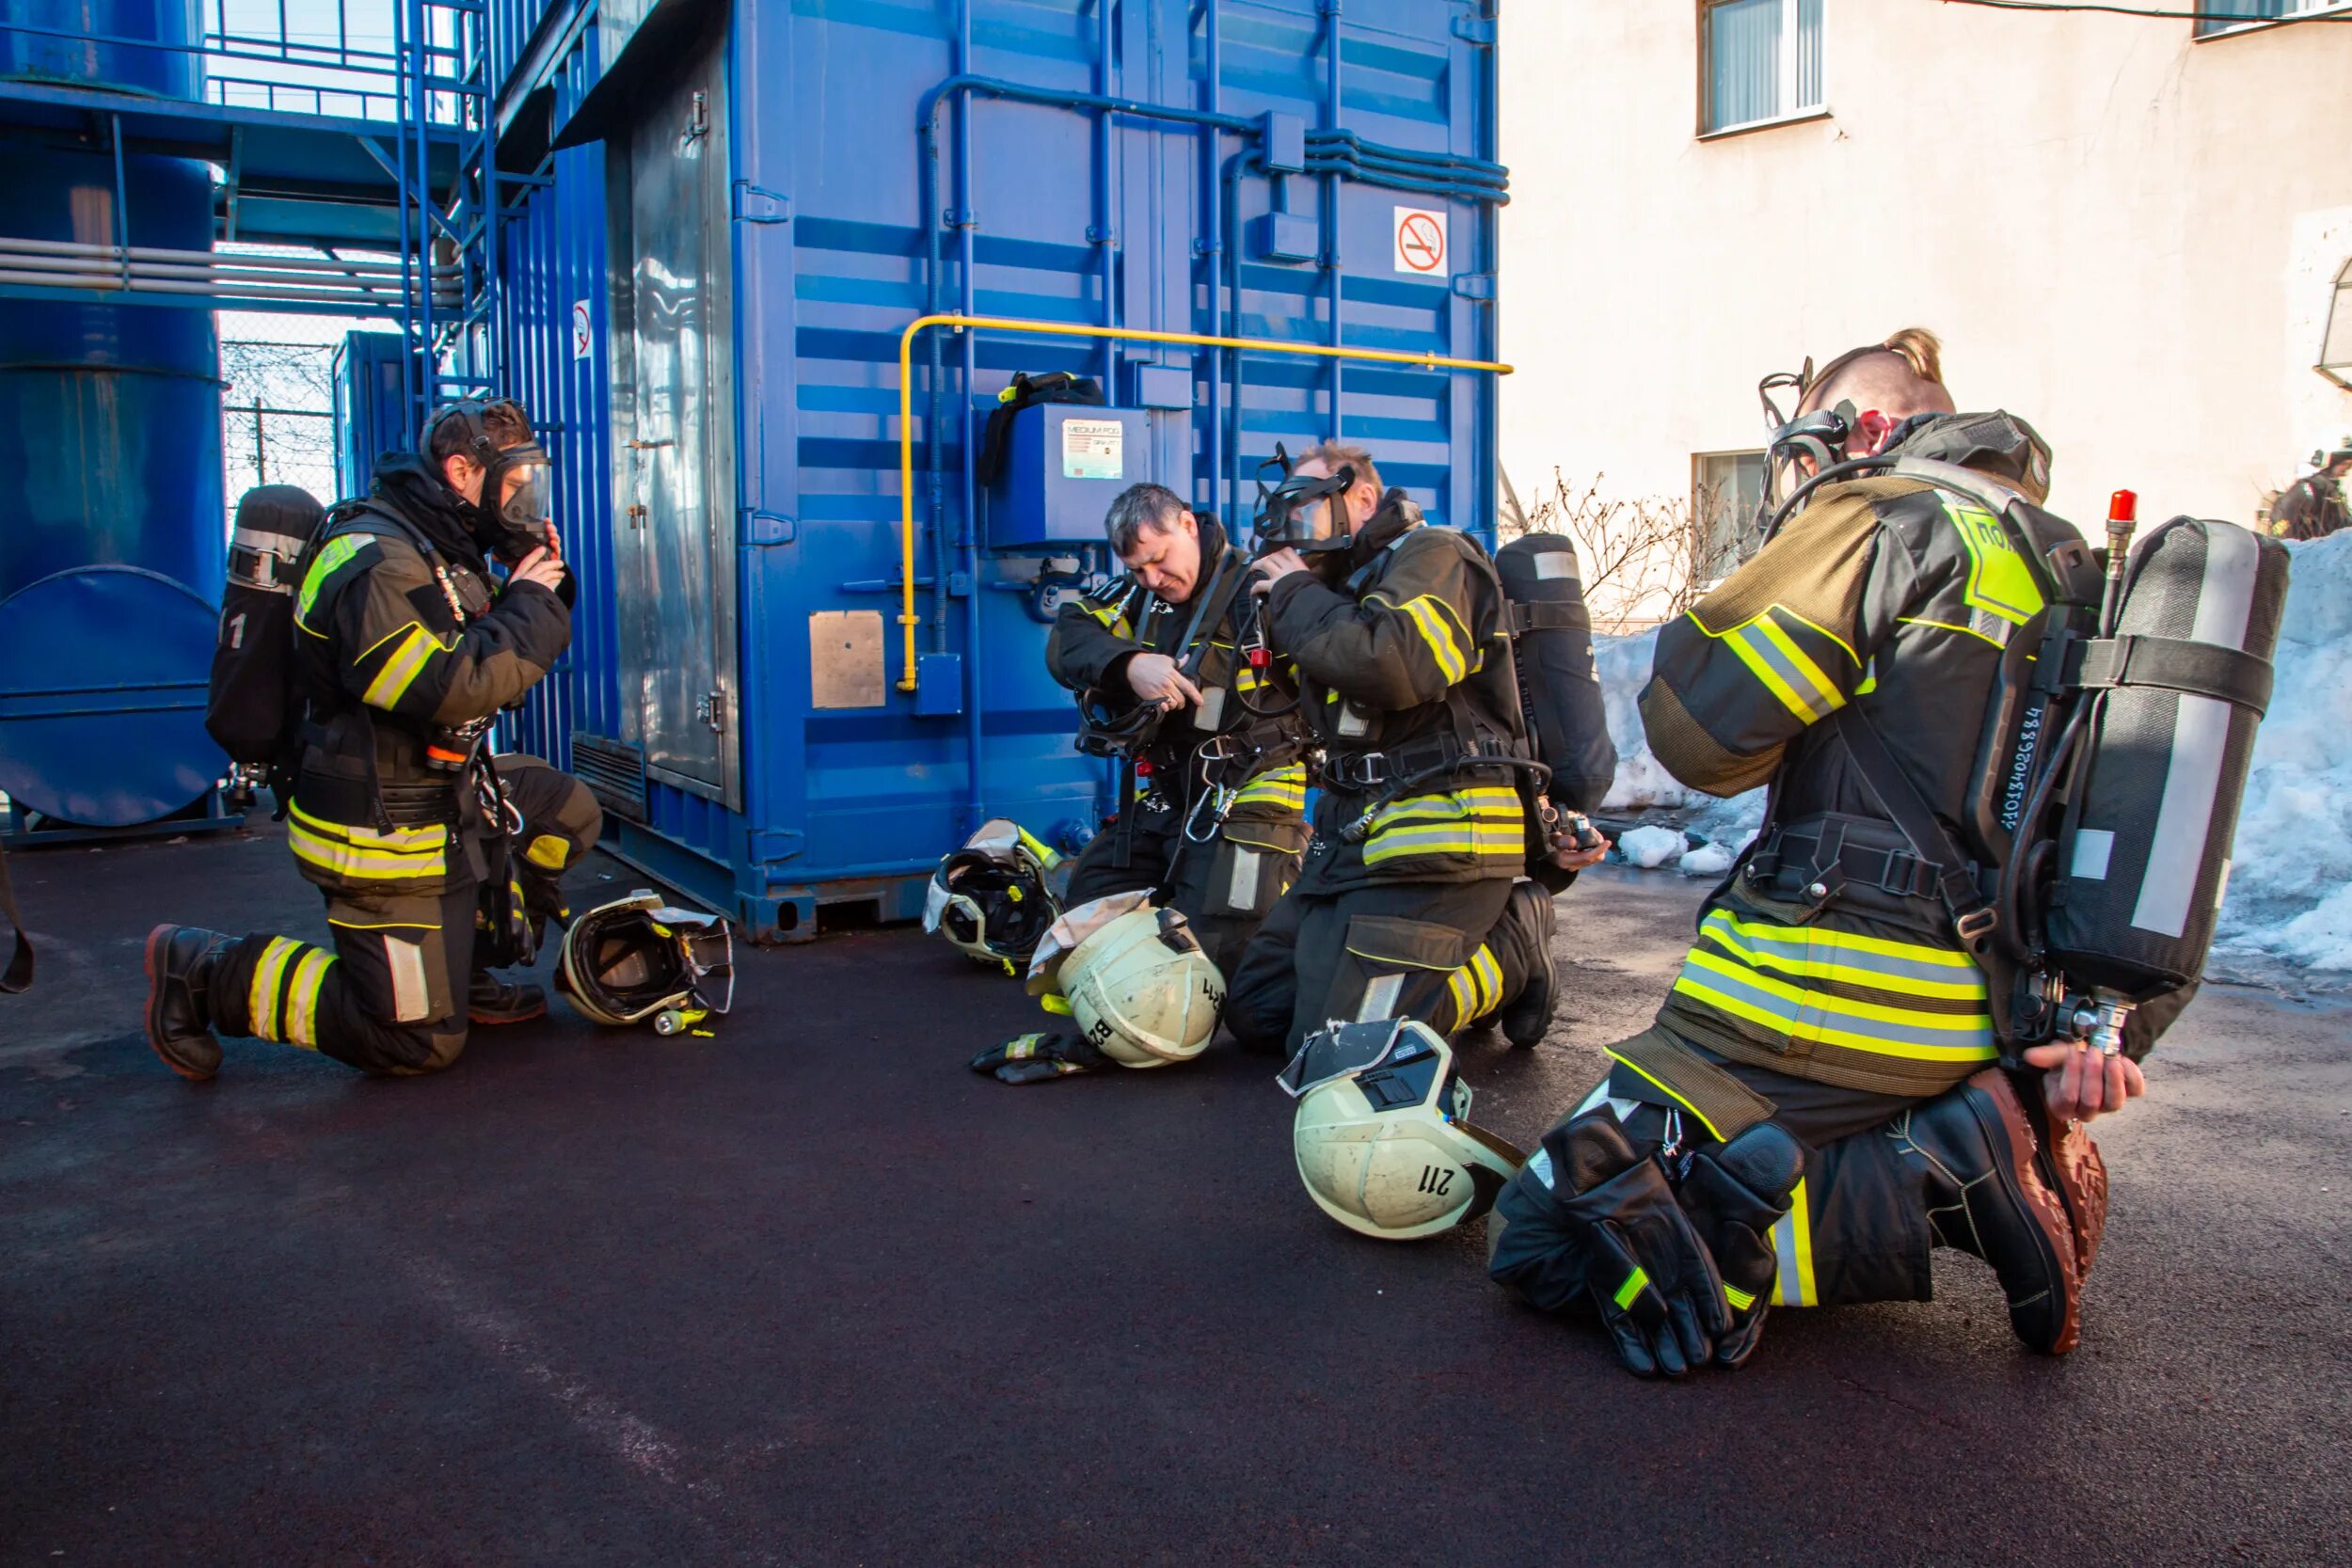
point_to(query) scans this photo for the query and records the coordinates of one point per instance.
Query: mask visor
(1337, 1052)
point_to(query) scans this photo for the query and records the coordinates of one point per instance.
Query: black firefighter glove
(1645, 1267)
(1038, 1059)
(1735, 1193)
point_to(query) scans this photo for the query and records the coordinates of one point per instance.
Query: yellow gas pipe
(907, 619)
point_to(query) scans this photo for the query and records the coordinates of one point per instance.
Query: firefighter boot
(181, 962)
(1974, 1150)
(1526, 930)
(491, 1000)
(2072, 1167)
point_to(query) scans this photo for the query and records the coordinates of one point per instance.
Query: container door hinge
(712, 710)
(1477, 31)
(767, 527)
(1474, 285)
(758, 204)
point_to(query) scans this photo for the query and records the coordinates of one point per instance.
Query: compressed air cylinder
(2143, 855)
(1557, 682)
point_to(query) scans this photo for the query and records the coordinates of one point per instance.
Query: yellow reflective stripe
(1447, 838)
(302, 998)
(1633, 1286)
(261, 997)
(1741, 1300)
(1459, 987)
(1283, 786)
(1794, 1285)
(1435, 620)
(1751, 653)
(1855, 941)
(1824, 690)
(1966, 984)
(331, 557)
(1813, 1015)
(1999, 582)
(364, 853)
(400, 672)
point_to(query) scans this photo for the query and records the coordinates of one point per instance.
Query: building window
(2335, 349)
(1727, 488)
(1759, 61)
(2228, 16)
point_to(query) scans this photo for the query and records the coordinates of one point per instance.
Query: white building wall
(2127, 238)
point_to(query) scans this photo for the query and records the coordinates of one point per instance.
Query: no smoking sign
(1420, 236)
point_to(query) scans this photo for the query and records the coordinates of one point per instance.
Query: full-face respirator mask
(1302, 514)
(505, 525)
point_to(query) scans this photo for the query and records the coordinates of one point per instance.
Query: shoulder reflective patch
(333, 557)
(1999, 582)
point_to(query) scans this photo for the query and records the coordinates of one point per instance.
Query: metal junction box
(1064, 464)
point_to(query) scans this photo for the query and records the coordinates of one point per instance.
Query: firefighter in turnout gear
(1411, 903)
(1212, 812)
(1831, 993)
(436, 861)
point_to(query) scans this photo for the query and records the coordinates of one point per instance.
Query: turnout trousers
(1857, 1229)
(391, 997)
(1449, 953)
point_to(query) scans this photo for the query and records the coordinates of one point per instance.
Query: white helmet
(1383, 1136)
(991, 898)
(1133, 977)
(635, 957)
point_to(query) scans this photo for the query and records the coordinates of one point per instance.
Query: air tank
(109, 443)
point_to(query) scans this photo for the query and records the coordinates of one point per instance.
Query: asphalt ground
(810, 1293)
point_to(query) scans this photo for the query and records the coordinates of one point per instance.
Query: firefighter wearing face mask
(1818, 1104)
(1212, 817)
(436, 861)
(1410, 904)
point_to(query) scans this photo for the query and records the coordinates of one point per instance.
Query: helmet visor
(1344, 1050)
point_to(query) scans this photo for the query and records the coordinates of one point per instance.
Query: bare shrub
(1641, 557)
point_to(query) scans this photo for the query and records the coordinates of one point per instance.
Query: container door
(673, 437)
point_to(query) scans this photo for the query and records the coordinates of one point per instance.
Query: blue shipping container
(780, 191)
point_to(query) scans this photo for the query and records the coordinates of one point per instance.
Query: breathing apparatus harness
(2000, 925)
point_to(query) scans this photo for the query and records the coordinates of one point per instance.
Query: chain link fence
(278, 417)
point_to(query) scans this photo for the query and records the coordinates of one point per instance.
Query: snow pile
(1642, 783)
(1650, 847)
(2290, 898)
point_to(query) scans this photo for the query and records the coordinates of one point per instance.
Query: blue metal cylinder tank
(109, 428)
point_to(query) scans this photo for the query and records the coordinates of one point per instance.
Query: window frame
(1702, 538)
(1793, 117)
(2239, 27)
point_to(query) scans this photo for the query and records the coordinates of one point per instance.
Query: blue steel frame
(1239, 102)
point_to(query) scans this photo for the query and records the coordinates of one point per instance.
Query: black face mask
(502, 524)
(1309, 516)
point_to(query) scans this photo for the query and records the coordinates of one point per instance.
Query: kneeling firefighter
(1175, 686)
(362, 661)
(1411, 903)
(1971, 908)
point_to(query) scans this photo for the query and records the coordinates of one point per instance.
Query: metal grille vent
(615, 772)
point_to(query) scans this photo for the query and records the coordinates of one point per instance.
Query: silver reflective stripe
(266, 543)
(1380, 998)
(1211, 713)
(1351, 720)
(1785, 1249)
(2093, 848)
(412, 999)
(1242, 891)
(2200, 737)
(1555, 564)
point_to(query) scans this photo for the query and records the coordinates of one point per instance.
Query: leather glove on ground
(1735, 1194)
(1038, 1059)
(1646, 1269)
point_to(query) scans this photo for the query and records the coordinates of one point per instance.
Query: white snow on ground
(1650, 847)
(2290, 898)
(1642, 783)
(2288, 916)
